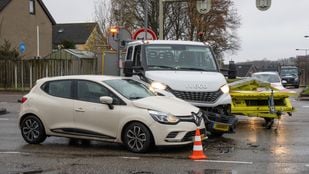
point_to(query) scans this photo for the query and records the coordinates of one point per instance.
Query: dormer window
(32, 7)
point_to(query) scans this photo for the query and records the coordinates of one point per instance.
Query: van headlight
(225, 89)
(158, 86)
(163, 117)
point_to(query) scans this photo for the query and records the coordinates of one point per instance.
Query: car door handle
(79, 110)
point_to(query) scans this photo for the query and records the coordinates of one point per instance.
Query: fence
(22, 74)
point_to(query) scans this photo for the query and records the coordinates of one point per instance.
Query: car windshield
(271, 78)
(289, 71)
(130, 89)
(180, 57)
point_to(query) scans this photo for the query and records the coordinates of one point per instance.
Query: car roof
(174, 42)
(269, 72)
(82, 77)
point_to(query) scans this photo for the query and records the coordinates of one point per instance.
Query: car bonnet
(170, 105)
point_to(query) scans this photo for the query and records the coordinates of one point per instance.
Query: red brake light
(23, 100)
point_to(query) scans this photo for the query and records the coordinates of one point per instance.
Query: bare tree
(103, 14)
(182, 21)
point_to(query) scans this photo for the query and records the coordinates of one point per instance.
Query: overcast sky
(271, 34)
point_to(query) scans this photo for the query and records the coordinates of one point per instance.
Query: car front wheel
(137, 137)
(32, 130)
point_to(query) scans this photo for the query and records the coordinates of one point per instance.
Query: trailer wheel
(269, 122)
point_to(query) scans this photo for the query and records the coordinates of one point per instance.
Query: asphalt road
(252, 149)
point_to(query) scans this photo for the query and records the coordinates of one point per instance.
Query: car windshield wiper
(161, 66)
(191, 68)
(135, 98)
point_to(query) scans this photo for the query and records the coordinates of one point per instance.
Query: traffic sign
(263, 5)
(203, 6)
(141, 33)
(22, 47)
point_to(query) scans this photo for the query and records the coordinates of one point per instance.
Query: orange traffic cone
(198, 152)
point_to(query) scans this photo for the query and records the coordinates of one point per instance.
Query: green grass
(306, 91)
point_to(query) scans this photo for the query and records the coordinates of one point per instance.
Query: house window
(32, 7)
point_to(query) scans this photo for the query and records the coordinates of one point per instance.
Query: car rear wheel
(32, 130)
(137, 138)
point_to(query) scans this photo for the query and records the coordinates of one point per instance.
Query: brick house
(27, 21)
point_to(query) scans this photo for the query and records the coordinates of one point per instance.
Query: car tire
(137, 137)
(32, 130)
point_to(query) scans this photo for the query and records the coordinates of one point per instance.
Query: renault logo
(196, 118)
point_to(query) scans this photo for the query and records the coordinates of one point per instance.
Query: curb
(2, 111)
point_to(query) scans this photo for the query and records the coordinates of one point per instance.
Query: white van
(187, 70)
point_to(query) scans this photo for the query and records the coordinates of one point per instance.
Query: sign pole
(161, 19)
(146, 18)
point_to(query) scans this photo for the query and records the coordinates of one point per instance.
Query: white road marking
(306, 106)
(307, 165)
(125, 157)
(230, 162)
(4, 119)
(13, 153)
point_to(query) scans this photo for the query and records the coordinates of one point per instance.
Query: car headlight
(158, 86)
(225, 89)
(296, 78)
(163, 117)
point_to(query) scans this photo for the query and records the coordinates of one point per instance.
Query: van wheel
(137, 138)
(32, 130)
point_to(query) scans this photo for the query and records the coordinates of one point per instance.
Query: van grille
(208, 97)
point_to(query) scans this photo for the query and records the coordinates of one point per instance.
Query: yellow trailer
(254, 98)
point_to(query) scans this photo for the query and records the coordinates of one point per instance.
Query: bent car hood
(170, 105)
(189, 80)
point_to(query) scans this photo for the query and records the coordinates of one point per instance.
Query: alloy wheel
(137, 138)
(32, 130)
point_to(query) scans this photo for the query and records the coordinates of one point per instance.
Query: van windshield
(180, 57)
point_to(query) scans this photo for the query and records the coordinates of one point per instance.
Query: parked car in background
(290, 76)
(106, 108)
(271, 77)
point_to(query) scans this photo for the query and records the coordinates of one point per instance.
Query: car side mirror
(108, 101)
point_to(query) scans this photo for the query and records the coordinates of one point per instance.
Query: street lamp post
(306, 50)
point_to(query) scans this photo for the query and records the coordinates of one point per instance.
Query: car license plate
(221, 127)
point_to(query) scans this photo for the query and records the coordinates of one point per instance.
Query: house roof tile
(78, 33)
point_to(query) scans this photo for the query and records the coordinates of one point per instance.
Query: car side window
(91, 92)
(59, 88)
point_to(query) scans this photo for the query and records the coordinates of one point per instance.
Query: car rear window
(59, 88)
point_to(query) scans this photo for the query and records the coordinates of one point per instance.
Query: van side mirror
(128, 68)
(108, 101)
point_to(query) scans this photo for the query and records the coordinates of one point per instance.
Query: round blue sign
(22, 47)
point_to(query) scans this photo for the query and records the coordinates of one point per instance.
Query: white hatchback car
(106, 108)
(271, 77)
